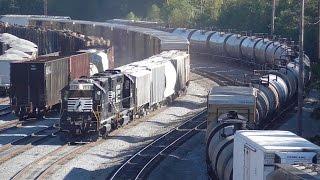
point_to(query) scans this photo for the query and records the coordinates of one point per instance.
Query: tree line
(237, 15)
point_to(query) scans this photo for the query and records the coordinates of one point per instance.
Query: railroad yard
(125, 100)
(102, 159)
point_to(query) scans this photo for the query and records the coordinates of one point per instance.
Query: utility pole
(300, 79)
(201, 6)
(13, 8)
(45, 7)
(318, 32)
(273, 16)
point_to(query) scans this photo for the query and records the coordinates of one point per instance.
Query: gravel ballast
(14, 165)
(100, 161)
(187, 162)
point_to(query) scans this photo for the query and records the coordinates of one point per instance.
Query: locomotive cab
(98, 104)
(81, 106)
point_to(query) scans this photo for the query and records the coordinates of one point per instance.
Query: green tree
(154, 13)
(132, 16)
(287, 23)
(179, 13)
(245, 15)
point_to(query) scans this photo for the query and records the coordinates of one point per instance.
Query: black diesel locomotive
(96, 104)
(114, 97)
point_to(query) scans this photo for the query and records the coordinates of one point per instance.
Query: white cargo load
(98, 58)
(255, 153)
(17, 52)
(18, 44)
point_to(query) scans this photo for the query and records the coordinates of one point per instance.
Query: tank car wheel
(104, 133)
(209, 171)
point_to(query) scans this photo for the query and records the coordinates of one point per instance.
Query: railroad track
(46, 165)
(13, 149)
(9, 125)
(140, 165)
(15, 124)
(219, 79)
(5, 110)
(3, 100)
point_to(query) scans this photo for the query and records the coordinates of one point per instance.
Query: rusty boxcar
(36, 84)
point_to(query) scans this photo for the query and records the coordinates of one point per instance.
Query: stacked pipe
(50, 41)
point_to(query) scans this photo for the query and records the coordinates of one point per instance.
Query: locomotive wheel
(22, 118)
(209, 171)
(39, 114)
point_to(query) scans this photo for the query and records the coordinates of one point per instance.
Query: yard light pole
(45, 7)
(318, 32)
(300, 79)
(273, 16)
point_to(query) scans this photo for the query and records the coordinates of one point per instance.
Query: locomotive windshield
(80, 94)
(78, 91)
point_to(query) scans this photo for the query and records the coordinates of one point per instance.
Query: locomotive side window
(98, 95)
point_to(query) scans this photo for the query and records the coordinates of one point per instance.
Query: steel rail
(13, 149)
(144, 161)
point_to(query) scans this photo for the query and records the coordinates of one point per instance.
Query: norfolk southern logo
(79, 105)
